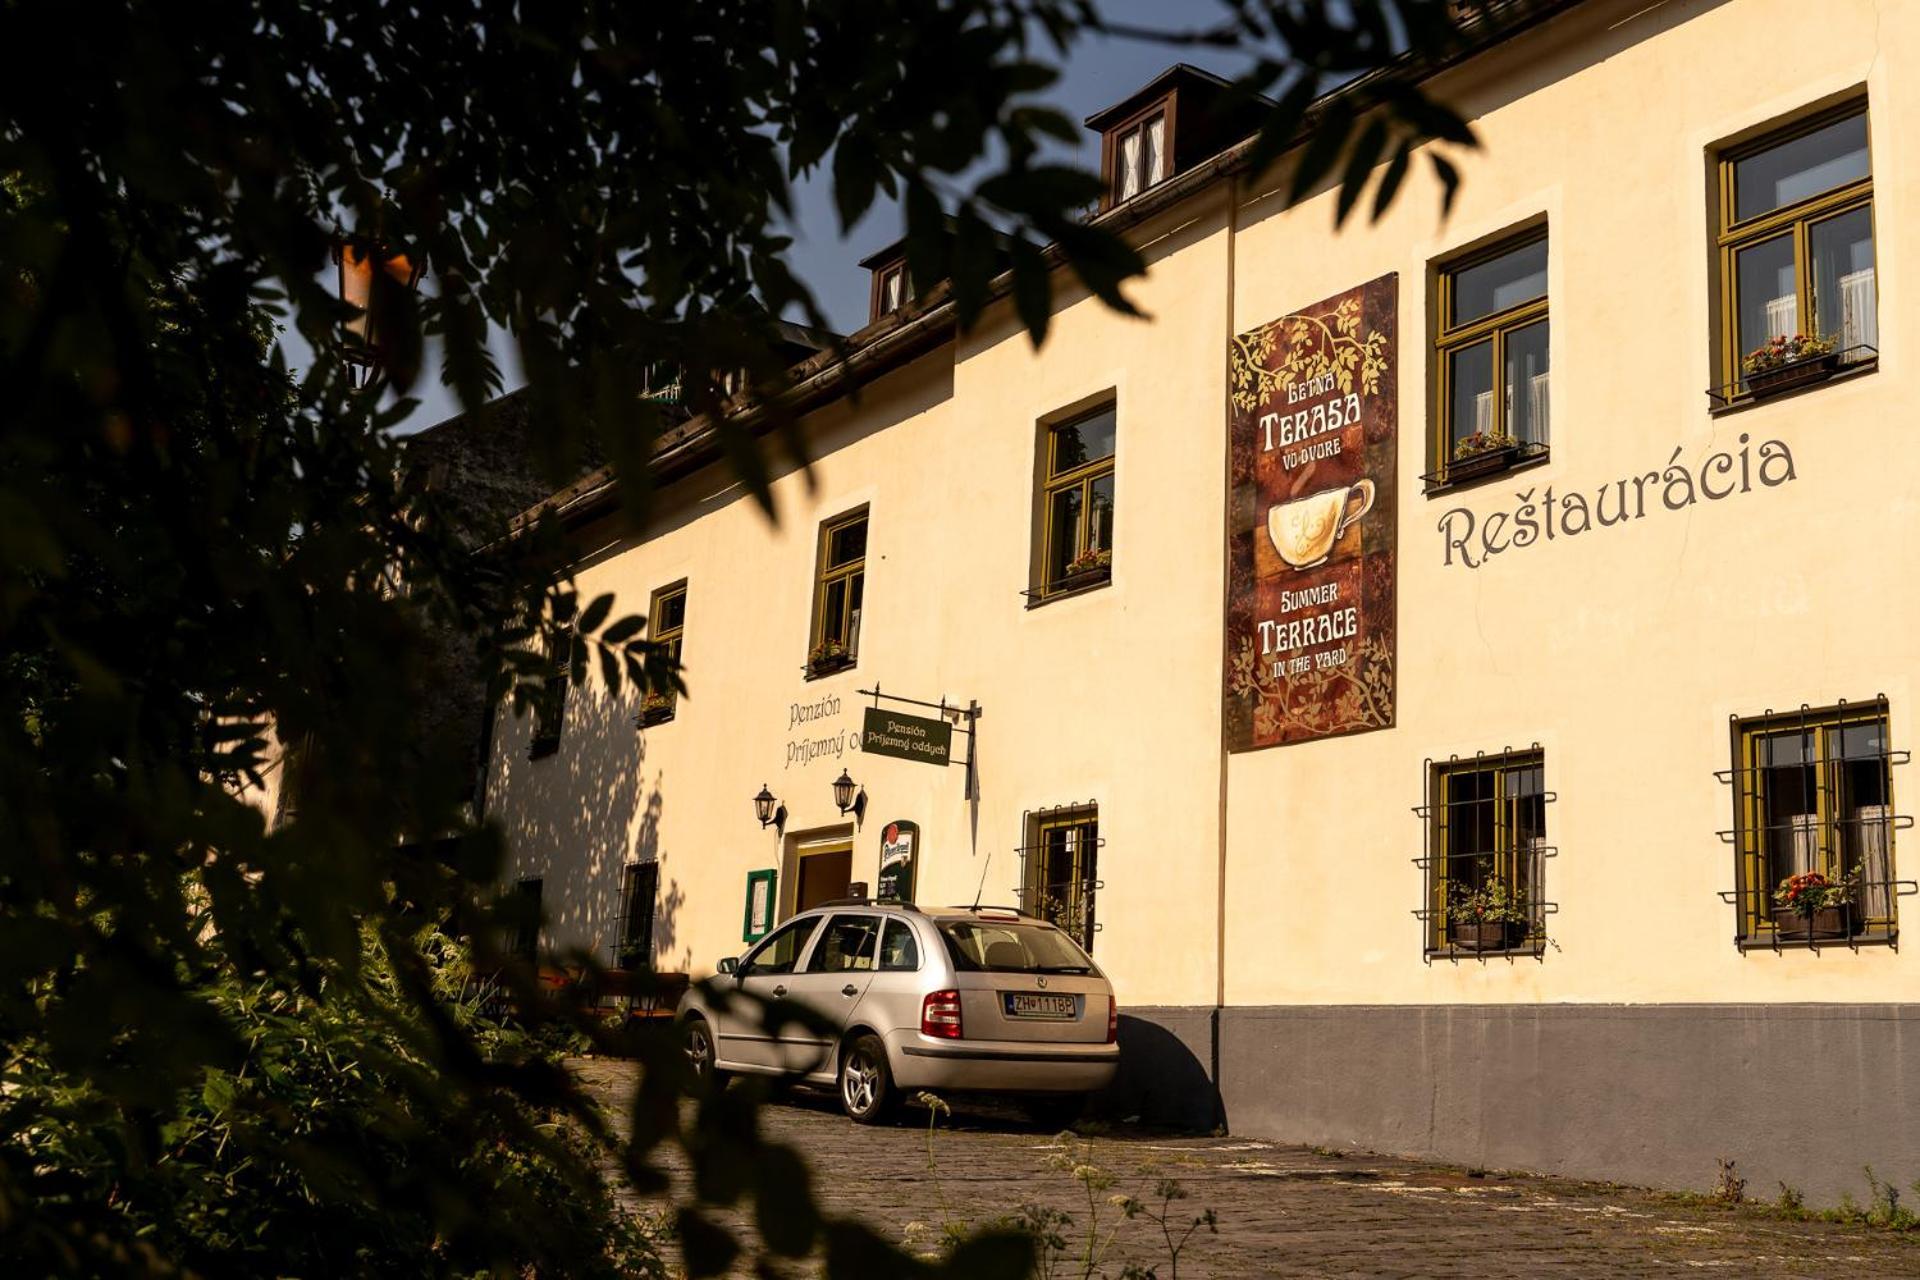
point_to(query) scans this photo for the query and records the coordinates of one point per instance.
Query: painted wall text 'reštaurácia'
(1471, 540)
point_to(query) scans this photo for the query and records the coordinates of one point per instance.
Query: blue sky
(1101, 72)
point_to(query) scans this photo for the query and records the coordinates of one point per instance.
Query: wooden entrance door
(824, 876)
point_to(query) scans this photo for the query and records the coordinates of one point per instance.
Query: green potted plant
(1491, 917)
(1781, 364)
(1481, 454)
(828, 656)
(1095, 564)
(1810, 906)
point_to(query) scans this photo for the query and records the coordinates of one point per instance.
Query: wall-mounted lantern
(765, 806)
(843, 788)
(357, 259)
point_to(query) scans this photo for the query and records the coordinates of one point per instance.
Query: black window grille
(1486, 856)
(1813, 828)
(526, 939)
(1060, 871)
(550, 713)
(639, 891)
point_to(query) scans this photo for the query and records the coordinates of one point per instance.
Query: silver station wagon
(961, 999)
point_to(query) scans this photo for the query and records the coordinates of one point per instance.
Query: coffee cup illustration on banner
(1304, 530)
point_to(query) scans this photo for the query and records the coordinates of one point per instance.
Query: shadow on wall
(1163, 1077)
(577, 817)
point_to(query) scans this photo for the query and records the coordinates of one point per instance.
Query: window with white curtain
(1796, 239)
(1141, 155)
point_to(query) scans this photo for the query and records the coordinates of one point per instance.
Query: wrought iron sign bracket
(949, 711)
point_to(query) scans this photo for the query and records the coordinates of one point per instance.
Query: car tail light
(1113, 1020)
(940, 1015)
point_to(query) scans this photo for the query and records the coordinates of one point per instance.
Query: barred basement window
(639, 889)
(666, 620)
(526, 938)
(1813, 825)
(550, 713)
(1060, 869)
(1487, 848)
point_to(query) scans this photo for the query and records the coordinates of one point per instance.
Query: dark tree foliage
(203, 555)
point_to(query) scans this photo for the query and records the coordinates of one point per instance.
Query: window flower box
(1785, 364)
(1493, 917)
(1826, 923)
(1482, 454)
(1486, 935)
(655, 708)
(828, 657)
(1089, 568)
(1810, 906)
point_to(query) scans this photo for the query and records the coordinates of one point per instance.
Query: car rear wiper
(1063, 968)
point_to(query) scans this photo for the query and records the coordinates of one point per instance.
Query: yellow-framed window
(1795, 240)
(1487, 848)
(1491, 358)
(1813, 795)
(1062, 870)
(666, 621)
(839, 593)
(1077, 501)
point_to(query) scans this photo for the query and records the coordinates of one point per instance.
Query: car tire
(1055, 1112)
(867, 1093)
(701, 1054)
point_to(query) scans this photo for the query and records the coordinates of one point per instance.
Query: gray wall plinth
(1647, 1094)
(1166, 1069)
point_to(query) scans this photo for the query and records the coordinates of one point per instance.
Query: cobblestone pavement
(1296, 1211)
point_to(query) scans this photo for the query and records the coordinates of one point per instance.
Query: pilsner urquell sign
(1310, 523)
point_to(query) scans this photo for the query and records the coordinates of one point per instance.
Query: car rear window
(991, 946)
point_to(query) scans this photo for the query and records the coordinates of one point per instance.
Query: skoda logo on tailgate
(1043, 982)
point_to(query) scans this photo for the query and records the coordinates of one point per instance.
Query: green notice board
(760, 905)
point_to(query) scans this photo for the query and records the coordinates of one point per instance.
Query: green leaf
(1364, 154)
(1449, 180)
(1032, 289)
(1390, 180)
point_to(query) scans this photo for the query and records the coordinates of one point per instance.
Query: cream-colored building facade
(1258, 911)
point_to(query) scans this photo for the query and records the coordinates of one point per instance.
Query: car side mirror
(728, 965)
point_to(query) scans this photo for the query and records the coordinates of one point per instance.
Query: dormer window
(1165, 127)
(893, 288)
(1140, 156)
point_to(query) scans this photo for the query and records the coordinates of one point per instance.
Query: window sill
(656, 716)
(1439, 484)
(1723, 405)
(1047, 595)
(821, 670)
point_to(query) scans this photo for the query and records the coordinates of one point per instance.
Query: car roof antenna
(981, 891)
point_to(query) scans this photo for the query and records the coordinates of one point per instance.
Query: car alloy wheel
(866, 1086)
(700, 1050)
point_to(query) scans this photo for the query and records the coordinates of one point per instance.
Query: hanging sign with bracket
(904, 737)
